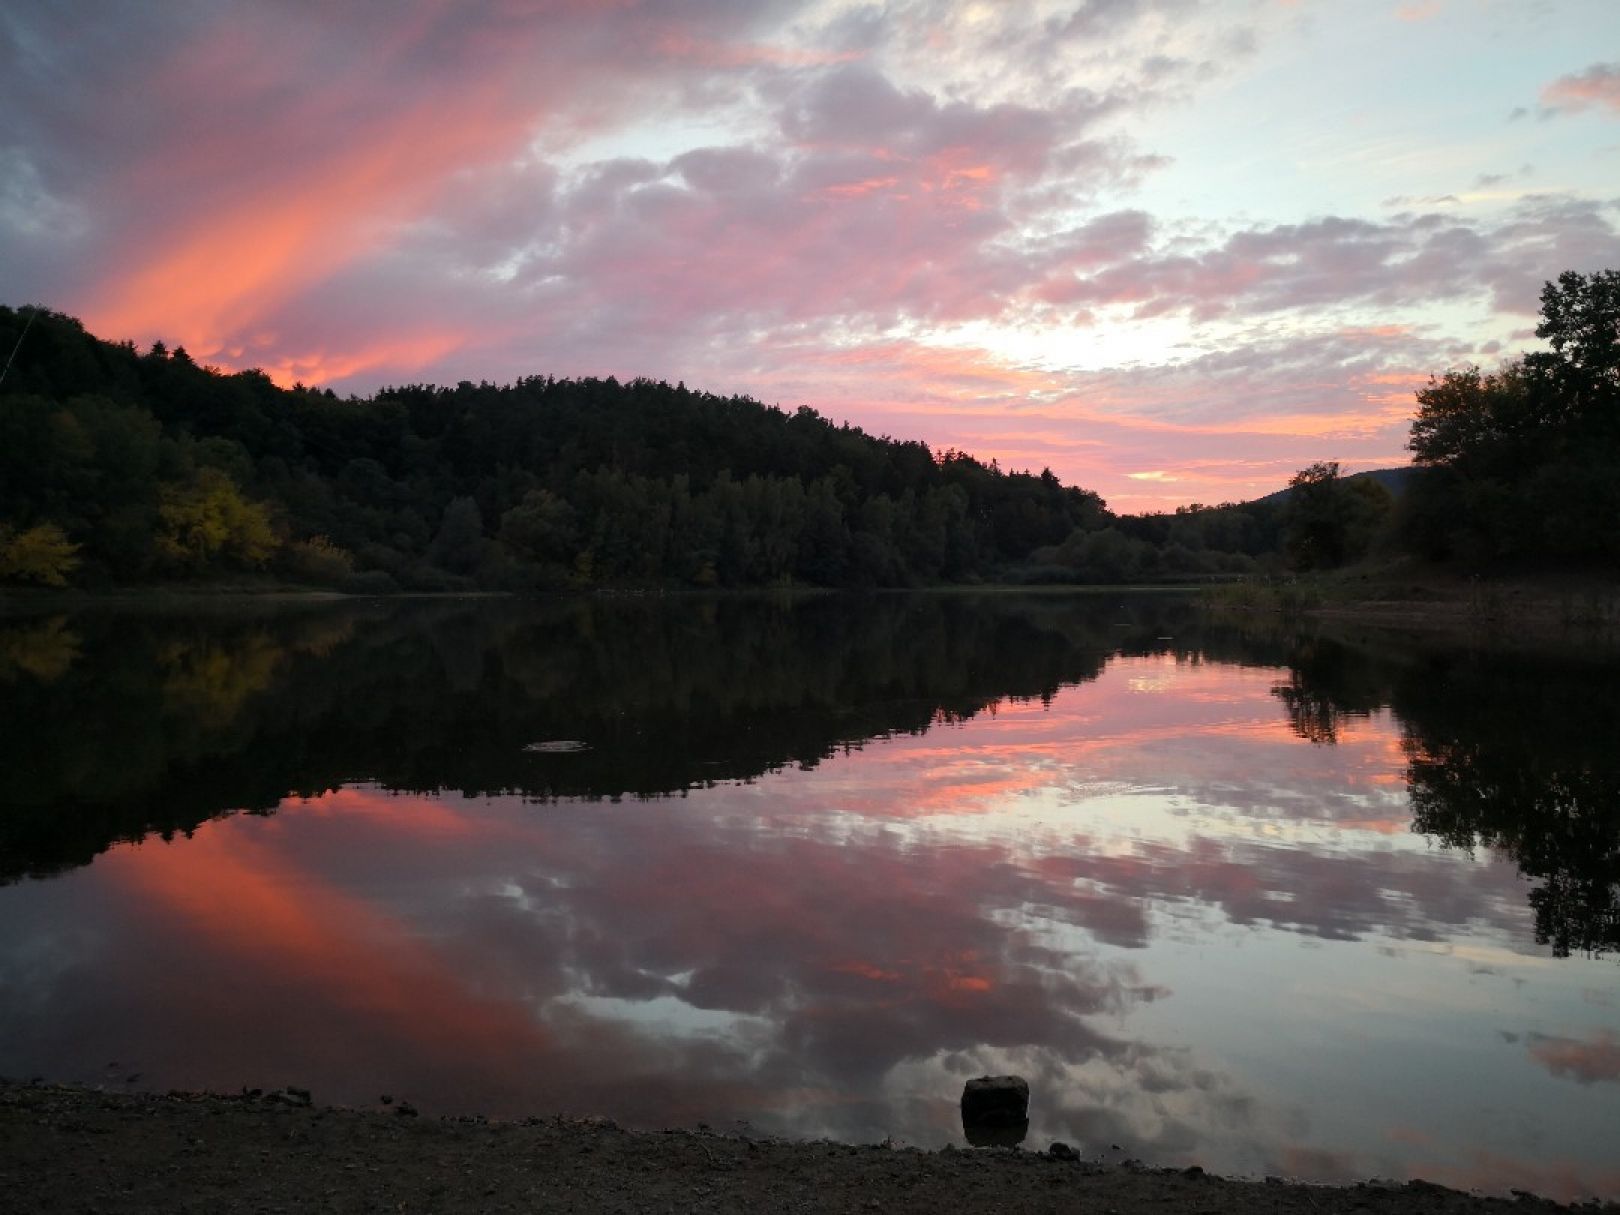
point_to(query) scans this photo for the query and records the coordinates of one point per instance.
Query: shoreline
(1517, 610)
(69, 1148)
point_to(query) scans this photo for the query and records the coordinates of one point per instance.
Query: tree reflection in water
(121, 724)
(1505, 750)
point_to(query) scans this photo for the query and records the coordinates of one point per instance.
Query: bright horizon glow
(1172, 249)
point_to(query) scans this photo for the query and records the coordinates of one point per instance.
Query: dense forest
(119, 467)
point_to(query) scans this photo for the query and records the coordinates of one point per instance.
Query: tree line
(118, 466)
(121, 467)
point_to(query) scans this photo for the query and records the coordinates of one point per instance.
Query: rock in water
(993, 1101)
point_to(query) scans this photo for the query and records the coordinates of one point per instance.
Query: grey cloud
(1336, 260)
(1095, 19)
(856, 107)
(730, 171)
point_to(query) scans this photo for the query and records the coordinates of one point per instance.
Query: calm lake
(1324, 905)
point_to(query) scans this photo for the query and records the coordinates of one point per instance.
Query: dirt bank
(79, 1150)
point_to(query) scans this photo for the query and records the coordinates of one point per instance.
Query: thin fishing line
(18, 346)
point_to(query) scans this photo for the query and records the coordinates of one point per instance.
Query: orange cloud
(855, 189)
(405, 353)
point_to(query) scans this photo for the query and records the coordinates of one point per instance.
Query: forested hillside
(118, 466)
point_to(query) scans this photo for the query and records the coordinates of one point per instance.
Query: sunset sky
(1172, 249)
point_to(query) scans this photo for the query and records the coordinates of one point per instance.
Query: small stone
(405, 1110)
(1193, 1170)
(1062, 1151)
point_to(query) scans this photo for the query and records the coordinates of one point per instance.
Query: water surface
(1268, 901)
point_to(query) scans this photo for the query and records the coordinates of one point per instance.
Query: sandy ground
(80, 1150)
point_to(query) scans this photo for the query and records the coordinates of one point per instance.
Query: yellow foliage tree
(45, 651)
(215, 680)
(42, 554)
(317, 560)
(208, 520)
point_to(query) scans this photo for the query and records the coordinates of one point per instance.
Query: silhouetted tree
(1330, 520)
(1520, 463)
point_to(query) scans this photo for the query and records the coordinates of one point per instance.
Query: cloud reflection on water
(1182, 921)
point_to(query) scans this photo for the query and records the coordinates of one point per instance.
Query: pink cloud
(272, 149)
(1420, 10)
(1598, 86)
(1587, 1060)
(858, 108)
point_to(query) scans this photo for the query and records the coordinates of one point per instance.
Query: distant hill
(1393, 479)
